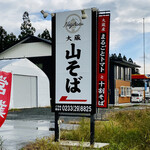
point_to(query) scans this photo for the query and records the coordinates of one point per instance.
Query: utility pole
(144, 53)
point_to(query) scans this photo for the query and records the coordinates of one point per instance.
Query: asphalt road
(31, 114)
(26, 125)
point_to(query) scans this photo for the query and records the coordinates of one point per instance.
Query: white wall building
(30, 85)
(29, 47)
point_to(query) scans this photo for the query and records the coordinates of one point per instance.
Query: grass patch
(125, 130)
(45, 143)
(14, 110)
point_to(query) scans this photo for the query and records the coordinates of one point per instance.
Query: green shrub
(125, 130)
(45, 143)
(82, 133)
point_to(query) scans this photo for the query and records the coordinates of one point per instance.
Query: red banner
(5, 92)
(102, 60)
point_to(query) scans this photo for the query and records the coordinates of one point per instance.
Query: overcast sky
(126, 23)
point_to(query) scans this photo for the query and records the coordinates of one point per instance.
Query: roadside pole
(92, 129)
(56, 127)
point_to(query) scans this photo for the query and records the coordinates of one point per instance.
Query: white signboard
(73, 57)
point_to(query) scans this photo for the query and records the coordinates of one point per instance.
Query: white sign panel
(73, 61)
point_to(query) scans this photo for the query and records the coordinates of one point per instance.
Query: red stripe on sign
(64, 99)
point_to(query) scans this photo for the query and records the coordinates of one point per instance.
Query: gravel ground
(31, 114)
(46, 114)
(37, 114)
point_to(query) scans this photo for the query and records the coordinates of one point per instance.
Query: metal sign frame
(64, 103)
(63, 100)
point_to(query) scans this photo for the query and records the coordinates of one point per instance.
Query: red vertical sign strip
(5, 92)
(102, 60)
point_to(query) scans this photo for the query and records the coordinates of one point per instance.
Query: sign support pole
(92, 129)
(56, 127)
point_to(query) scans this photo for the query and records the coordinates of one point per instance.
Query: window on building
(122, 91)
(125, 91)
(128, 91)
(128, 74)
(122, 73)
(118, 72)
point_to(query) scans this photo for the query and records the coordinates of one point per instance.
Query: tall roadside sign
(74, 59)
(102, 58)
(5, 94)
(80, 52)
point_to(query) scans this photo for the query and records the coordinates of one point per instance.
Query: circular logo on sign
(73, 23)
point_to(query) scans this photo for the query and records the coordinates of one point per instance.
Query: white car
(147, 96)
(136, 97)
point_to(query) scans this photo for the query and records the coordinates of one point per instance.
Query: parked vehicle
(147, 96)
(136, 97)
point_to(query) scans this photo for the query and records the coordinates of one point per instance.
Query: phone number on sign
(73, 108)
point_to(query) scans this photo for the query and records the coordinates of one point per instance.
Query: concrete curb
(83, 144)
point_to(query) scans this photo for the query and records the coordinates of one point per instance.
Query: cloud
(147, 66)
(41, 26)
(126, 23)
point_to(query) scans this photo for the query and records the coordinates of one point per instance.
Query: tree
(124, 58)
(130, 60)
(113, 56)
(119, 56)
(135, 71)
(11, 39)
(45, 35)
(3, 37)
(26, 26)
(6, 40)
